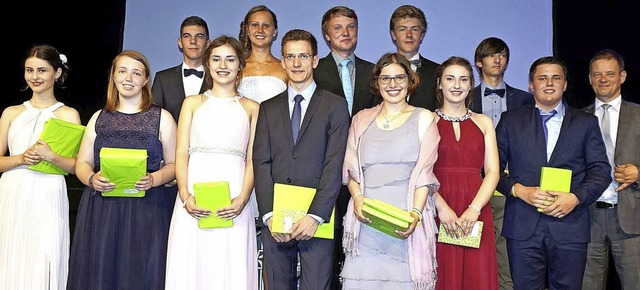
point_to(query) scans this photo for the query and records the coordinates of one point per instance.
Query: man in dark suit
(301, 138)
(492, 97)
(547, 231)
(615, 217)
(408, 26)
(340, 30)
(172, 85)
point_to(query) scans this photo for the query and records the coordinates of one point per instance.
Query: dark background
(90, 34)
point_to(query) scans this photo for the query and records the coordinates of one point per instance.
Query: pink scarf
(422, 247)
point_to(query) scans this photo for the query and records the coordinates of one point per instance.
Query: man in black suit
(408, 27)
(301, 137)
(492, 97)
(340, 30)
(171, 86)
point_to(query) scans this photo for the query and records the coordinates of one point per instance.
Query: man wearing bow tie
(171, 86)
(492, 97)
(408, 27)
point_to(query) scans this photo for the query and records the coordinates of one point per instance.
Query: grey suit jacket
(168, 90)
(327, 77)
(314, 161)
(627, 151)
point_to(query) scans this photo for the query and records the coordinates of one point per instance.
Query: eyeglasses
(302, 56)
(399, 79)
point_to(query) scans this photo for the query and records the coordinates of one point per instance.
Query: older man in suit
(492, 97)
(547, 231)
(615, 217)
(301, 138)
(408, 26)
(172, 85)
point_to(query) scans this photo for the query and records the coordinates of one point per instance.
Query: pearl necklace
(454, 119)
(386, 125)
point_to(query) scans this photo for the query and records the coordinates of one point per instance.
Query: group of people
(408, 131)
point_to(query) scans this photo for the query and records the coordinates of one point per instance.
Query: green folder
(123, 167)
(64, 139)
(290, 204)
(385, 217)
(472, 240)
(212, 196)
(555, 179)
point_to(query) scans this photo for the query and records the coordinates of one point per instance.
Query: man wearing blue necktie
(172, 85)
(492, 97)
(547, 231)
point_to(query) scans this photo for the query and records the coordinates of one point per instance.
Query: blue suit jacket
(580, 148)
(516, 98)
(314, 161)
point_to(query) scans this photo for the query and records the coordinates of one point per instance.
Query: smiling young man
(301, 137)
(408, 26)
(547, 231)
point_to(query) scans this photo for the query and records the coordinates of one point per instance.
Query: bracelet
(417, 212)
(513, 190)
(473, 207)
(184, 202)
(90, 182)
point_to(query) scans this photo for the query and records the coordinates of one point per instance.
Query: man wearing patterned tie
(172, 85)
(547, 231)
(408, 26)
(351, 81)
(615, 217)
(301, 138)
(492, 97)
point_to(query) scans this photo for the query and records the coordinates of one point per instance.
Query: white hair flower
(63, 58)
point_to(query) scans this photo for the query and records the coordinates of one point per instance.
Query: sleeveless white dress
(221, 258)
(34, 214)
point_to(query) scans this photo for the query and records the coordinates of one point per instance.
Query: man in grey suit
(301, 137)
(492, 97)
(408, 26)
(615, 217)
(340, 29)
(172, 85)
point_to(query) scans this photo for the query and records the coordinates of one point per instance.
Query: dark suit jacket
(627, 151)
(316, 159)
(516, 98)
(327, 77)
(580, 148)
(168, 90)
(425, 96)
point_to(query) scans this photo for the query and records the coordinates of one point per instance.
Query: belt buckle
(602, 204)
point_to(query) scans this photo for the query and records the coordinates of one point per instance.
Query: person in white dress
(34, 219)
(214, 142)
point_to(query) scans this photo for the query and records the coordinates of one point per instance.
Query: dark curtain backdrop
(90, 34)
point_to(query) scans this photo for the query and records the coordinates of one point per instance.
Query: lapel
(308, 114)
(361, 78)
(332, 74)
(624, 125)
(282, 108)
(540, 147)
(563, 137)
(178, 80)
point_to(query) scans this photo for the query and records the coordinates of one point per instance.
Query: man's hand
(564, 204)
(304, 229)
(625, 175)
(534, 196)
(280, 238)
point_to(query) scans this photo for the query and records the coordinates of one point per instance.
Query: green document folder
(472, 240)
(290, 204)
(123, 167)
(212, 196)
(385, 217)
(555, 179)
(64, 139)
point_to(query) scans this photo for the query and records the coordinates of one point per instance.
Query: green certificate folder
(123, 167)
(472, 240)
(64, 139)
(212, 196)
(290, 204)
(385, 217)
(555, 179)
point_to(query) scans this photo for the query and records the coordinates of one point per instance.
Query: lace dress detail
(261, 88)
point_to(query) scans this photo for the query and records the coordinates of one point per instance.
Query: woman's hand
(193, 210)
(358, 201)
(43, 150)
(449, 221)
(30, 156)
(145, 183)
(101, 183)
(412, 227)
(232, 211)
(467, 220)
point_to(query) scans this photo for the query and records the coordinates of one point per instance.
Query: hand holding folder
(64, 139)
(212, 196)
(385, 217)
(123, 167)
(555, 179)
(290, 204)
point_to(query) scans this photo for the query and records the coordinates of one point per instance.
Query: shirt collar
(338, 59)
(616, 103)
(185, 66)
(560, 108)
(307, 93)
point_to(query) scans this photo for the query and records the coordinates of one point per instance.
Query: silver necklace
(454, 119)
(386, 125)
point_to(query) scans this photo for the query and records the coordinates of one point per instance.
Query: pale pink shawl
(422, 247)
